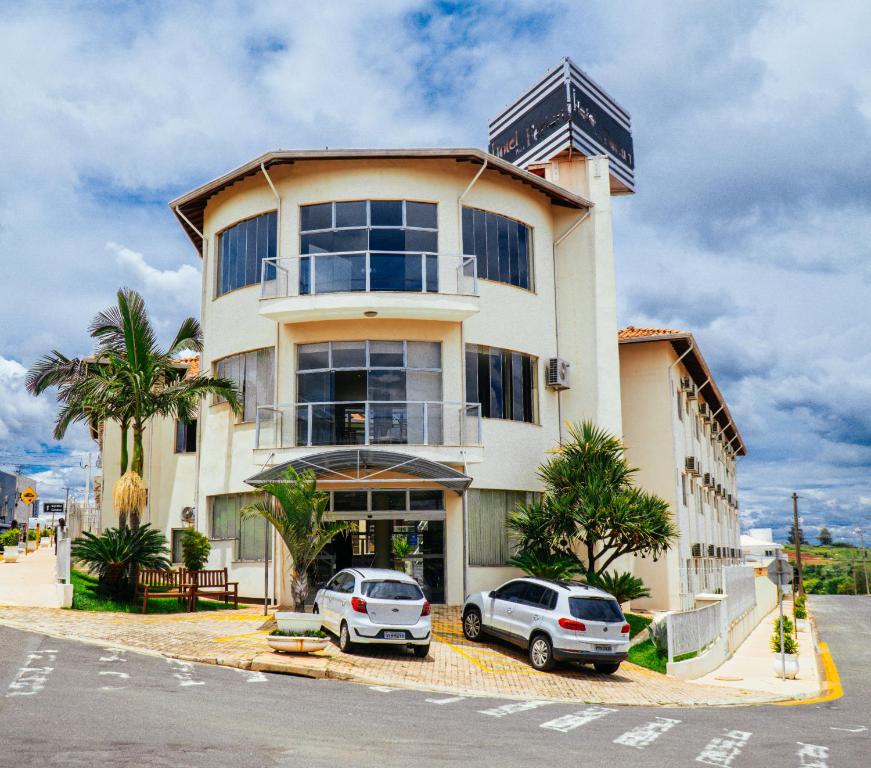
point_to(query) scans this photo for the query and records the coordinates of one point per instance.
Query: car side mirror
(492, 593)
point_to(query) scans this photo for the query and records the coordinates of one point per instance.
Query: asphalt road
(69, 704)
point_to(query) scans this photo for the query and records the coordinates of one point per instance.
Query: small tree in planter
(10, 539)
(297, 510)
(195, 549)
(789, 649)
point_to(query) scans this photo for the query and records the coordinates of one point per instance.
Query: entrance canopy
(364, 466)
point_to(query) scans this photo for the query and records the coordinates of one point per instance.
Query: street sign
(780, 572)
(52, 508)
(28, 495)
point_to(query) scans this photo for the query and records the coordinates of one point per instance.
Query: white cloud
(181, 285)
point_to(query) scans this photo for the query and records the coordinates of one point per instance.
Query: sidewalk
(31, 581)
(752, 666)
(454, 666)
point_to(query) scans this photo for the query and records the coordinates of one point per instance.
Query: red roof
(631, 332)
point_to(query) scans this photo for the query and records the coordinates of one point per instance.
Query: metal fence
(81, 518)
(739, 585)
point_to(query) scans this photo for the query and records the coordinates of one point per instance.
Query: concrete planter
(292, 621)
(791, 666)
(803, 625)
(10, 554)
(296, 644)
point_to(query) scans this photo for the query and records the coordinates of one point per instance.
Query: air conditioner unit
(729, 497)
(686, 385)
(736, 503)
(558, 373)
(710, 550)
(704, 411)
(719, 490)
(708, 480)
(715, 430)
(691, 463)
(718, 552)
(188, 515)
(696, 550)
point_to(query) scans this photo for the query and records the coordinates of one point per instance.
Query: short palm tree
(114, 553)
(297, 510)
(130, 379)
(624, 586)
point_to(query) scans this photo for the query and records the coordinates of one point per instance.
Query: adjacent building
(680, 434)
(12, 507)
(758, 546)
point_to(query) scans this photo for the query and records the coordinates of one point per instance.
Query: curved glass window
(503, 247)
(368, 245)
(241, 250)
(505, 383)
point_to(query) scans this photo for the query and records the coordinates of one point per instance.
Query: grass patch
(637, 623)
(645, 655)
(87, 598)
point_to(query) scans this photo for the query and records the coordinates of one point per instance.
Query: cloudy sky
(751, 225)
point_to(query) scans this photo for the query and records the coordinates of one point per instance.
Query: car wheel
(606, 667)
(541, 653)
(345, 643)
(420, 651)
(472, 628)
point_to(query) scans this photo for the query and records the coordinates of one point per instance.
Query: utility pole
(797, 536)
(861, 533)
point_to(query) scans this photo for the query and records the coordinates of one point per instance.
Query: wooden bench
(154, 583)
(212, 583)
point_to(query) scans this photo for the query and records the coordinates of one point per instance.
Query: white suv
(375, 605)
(554, 620)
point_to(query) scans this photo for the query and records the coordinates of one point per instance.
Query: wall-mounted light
(370, 313)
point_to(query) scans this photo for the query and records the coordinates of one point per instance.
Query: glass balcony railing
(368, 271)
(370, 422)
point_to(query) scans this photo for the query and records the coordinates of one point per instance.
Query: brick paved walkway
(238, 638)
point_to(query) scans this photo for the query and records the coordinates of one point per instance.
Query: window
(683, 488)
(242, 249)
(368, 245)
(512, 592)
(595, 609)
(364, 392)
(489, 542)
(505, 383)
(175, 547)
(185, 436)
(502, 246)
(252, 372)
(401, 501)
(391, 590)
(252, 537)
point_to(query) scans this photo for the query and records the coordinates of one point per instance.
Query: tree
(801, 537)
(195, 549)
(624, 586)
(825, 537)
(130, 379)
(297, 512)
(596, 507)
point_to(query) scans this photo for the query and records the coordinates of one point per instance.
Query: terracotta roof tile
(192, 363)
(631, 332)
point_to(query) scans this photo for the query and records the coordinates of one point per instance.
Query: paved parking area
(238, 638)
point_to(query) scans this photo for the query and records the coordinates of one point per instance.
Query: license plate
(604, 648)
(394, 635)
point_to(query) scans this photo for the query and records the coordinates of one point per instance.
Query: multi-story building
(680, 434)
(401, 322)
(11, 505)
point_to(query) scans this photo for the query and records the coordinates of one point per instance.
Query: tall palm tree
(129, 379)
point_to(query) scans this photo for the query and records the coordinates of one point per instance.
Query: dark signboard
(52, 508)
(565, 109)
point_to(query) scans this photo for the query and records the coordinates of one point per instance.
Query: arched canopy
(364, 466)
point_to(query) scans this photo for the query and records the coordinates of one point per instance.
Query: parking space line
(812, 755)
(721, 751)
(252, 676)
(184, 673)
(32, 677)
(568, 723)
(644, 735)
(514, 707)
(449, 700)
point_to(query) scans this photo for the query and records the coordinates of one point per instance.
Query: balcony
(449, 432)
(336, 286)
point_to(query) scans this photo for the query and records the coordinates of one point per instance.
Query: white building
(680, 434)
(758, 546)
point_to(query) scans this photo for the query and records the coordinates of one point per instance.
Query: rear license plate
(394, 635)
(604, 648)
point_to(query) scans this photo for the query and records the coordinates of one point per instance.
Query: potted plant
(402, 551)
(10, 541)
(306, 641)
(296, 510)
(800, 612)
(787, 664)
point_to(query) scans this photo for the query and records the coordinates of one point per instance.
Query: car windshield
(595, 609)
(392, 590)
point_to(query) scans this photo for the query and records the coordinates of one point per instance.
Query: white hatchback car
(554, 620)
(375, 605)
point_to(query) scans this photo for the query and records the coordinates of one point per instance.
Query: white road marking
(812, 755)
(252, 677)
(644, 735)
(184, 672)
(31, 678)
(568, 723)
(382, 688)
(857, 729)
(121, 675)
(449, 700)
(115, 655)
(722, 750)
(510, 709)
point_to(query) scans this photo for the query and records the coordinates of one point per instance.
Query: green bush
(624, 586)
(307, 633)
(11, 537)
(31, 534)
(195, 549)
(800, 607)
(790, 644)
(550, 566)
(658, 633)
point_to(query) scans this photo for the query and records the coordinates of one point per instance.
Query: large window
(241, 250)
(185, 436)
(504, 382)
(253, 375)
(362, 392)
(489, 542)
(503, 247)
(368, 245)
(252, 536)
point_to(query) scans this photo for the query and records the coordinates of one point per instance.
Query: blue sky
(750, 226)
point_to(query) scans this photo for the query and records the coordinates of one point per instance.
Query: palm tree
(129, 379)
(297, 512)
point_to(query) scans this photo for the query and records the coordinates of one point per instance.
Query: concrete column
(383, 543)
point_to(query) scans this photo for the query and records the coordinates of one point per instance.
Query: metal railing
(370, 422)
(693, 631)
(368, 271)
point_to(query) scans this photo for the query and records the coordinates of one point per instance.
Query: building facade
(758, 546)
(392, 318)
(680, 434)
(11, 505)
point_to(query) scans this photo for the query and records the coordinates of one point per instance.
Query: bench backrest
(216, 577)
(152, 577)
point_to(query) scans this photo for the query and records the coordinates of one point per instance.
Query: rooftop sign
(564, 110)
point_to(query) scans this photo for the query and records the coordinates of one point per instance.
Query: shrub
(10, 538)
(401, 547)
(624, 586)
(800, 607)
(790, 644)
(31, 534)
(307, 633)
(551, 566)
(195, 549)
